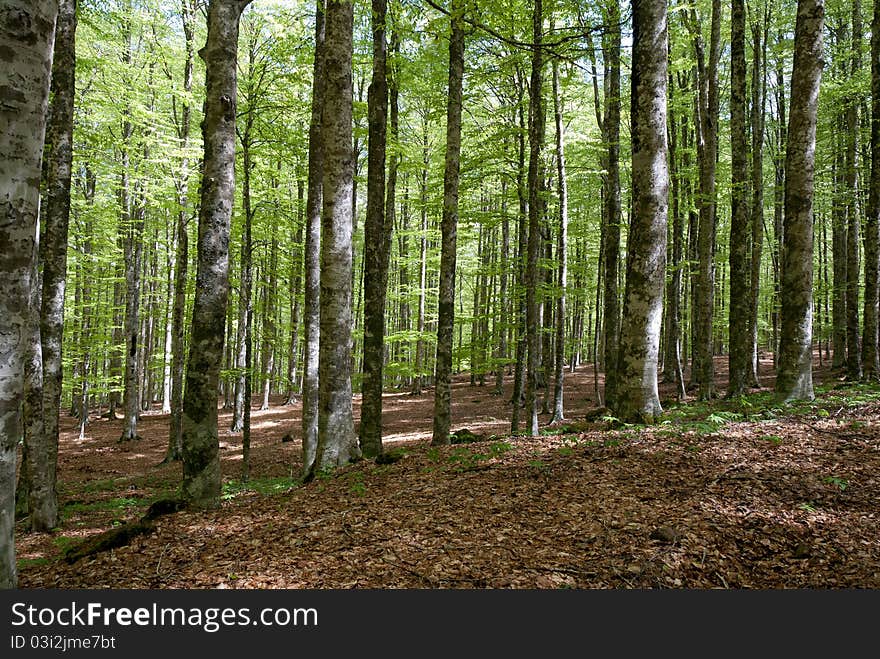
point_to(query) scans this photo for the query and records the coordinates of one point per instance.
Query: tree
(377, 241)
(561, 249)
(636, 397)
(43, 453)
(337, 443)
(181, 257)
(872, 219)
(201, 462)
(794, 378)
(536, 140)
(611, 212)
(312, 251)
(27, 30)
(448, 230)
(740, 228)
(703, 370)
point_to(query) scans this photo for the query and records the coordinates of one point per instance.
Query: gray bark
(703, 371)
(312, 253)
(794, 378)
(27, 33)
(337, 443)
(872, 220)
(740, 222)
(536, 139)
(181, 258)
(561, 251)
(43, 453)
(377, 244)
(201, 459)
(448, 230)
(637, 397)
(611, 201)
(759, 94)
(853, 228)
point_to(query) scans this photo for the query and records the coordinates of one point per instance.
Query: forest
(439, 294)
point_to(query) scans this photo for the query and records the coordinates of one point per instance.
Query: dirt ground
(760, 498)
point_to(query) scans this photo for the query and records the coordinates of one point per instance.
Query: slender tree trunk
(448, 230)
(872, 220)
(89, 186)
(611, 202)
(794, 379)
(853, 337)
(503, 320)
(418, 381)
(43, 450)
(270, 329)
(637, 397)
(704, 304)
(337, 443)
(295, 283)
(27, 30)
(740, 356)
(201, 450)
(519, 371)
(759, 93)
(536, 139)
(561, 249)
(778, 205)
(181, 267)
(376, 242)
(312, 252)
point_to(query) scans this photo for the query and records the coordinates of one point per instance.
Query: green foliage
(264, 486)
(841, 483)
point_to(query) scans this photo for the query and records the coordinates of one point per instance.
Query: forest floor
(733, 494)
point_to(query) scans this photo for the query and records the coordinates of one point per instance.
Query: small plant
(808, 506)
(841, 483)
(357, 486)
(776, 440)
(497, 449)
(433, 454)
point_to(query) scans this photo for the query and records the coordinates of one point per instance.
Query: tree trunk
(295, 284)
(611, 202)
(794, 379)
(872, 220)
(270, 329)
(536, 140)
(43, 449)
(337, 443)
(853, 337)
(561, 249)
(201, 459)
(312, 253)
(707, 150)
(376, 242)
(419, 380)
(27, 31)
(759, 93)
(181, 267)
(740, 355)
(448, 230)
(637, 398)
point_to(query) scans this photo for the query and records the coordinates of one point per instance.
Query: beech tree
(636, 397)
(449, 229)
(794, 377)
(201, 460)
(337, 443)
(27, 30)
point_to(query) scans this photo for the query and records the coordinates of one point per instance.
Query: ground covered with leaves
(733, 494)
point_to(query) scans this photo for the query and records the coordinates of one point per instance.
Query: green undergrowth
(264, 486)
